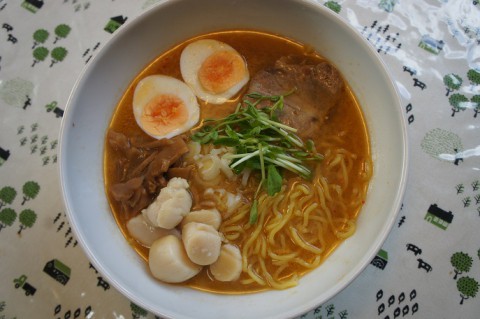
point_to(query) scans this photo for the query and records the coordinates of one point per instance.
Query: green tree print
(58, 54)
(334, 6)
(30, 191)
(458, 102)
(461, 263)
(39, 55)
(137, 311)
(33, 138)
(61, 32)
(453, 82)
(27, 219)
(16, 92)
(387, 5)
(468, 288)
(475, 185)
(7, 217)
(39, 37)
(438, 141)
(476, 102)
(7, 195)
(23, 141)
(473, 76)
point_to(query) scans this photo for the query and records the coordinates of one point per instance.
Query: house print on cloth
(58, 271)
(380, 260)
(115, 23)
(32, 5)
(4, 155)
(438, 217)
(431, 45)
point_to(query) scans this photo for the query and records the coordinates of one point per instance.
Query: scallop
(169, 262)
(214, 70)
(210, 217)
(171, 205)
(202, 243)
(146, 234)
(164, 106)
(228, 266)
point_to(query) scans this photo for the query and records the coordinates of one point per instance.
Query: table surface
(429, 266)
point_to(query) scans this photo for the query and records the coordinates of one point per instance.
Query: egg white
(192, 58)
(150, 87)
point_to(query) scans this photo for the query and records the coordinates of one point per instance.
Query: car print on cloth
(58, 271)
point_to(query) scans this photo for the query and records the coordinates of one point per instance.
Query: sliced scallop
(228, 266)
(172, 204)
(202, 243)
(210, 217)
(169, 262)
(144, 233)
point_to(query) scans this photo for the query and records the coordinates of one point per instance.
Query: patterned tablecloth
(429, 267)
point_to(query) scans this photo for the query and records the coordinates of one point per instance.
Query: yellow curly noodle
(302, 224)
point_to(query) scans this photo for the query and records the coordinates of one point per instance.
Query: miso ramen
(250, 144)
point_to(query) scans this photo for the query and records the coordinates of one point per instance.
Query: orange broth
(260, 50)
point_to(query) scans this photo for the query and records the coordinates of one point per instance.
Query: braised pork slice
(318, 88)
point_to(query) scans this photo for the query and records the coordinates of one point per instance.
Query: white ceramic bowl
(100, 87)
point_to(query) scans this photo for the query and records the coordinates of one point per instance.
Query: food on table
(172, 204)
(202, 243)
(164, 106)
(228, 266)
(261, 183)
(169, 262)
(214, 70)
(143, 232)
(210, 217)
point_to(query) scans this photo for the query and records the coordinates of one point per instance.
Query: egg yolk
(221, 70)
(163, 114)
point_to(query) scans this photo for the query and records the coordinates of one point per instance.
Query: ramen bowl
(131, 49)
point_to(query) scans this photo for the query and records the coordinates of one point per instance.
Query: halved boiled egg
(214, 70)
(164, 106)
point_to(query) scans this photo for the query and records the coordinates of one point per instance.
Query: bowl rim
(386, 229)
